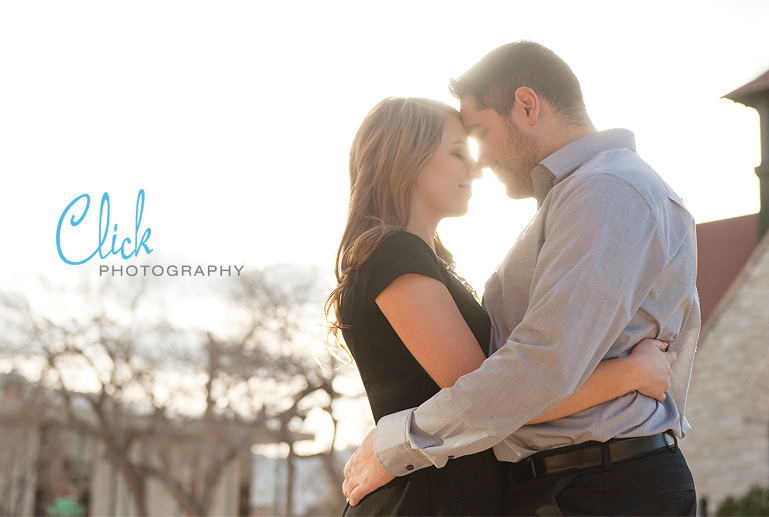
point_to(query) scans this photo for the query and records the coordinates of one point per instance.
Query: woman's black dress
(394, 381)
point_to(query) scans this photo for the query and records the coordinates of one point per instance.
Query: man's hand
(363, 474)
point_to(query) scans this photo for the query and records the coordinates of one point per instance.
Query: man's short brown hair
(495, 78)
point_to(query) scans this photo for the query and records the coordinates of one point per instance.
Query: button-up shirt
(609, 259)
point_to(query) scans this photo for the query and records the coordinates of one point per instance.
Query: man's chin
(514, 189)
(517, 193)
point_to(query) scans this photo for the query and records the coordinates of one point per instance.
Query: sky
(235, 118)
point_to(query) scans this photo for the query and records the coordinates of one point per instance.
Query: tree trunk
(135, 483)
(290, 480)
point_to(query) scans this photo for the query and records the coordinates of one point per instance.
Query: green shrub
(755, 502)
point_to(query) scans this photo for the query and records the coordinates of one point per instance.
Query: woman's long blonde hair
(396, 139)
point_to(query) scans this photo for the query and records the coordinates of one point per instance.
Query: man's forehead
(468, 110)
(468, 103)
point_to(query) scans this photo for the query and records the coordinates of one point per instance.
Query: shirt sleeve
(400, 253)
(600, 258)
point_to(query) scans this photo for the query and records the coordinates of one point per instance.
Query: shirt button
(409, 467)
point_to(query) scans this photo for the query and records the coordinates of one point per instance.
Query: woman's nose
(474, 170)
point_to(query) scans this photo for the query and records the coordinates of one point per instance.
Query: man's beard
(524, 154)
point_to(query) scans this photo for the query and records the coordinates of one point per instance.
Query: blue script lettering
(104, 228)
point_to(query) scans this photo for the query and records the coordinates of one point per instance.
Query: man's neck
(567, 134)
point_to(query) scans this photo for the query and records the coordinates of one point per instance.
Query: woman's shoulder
(401, 246)
(399, 253)
(403, 238)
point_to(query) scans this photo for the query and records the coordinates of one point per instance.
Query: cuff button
(409, 467)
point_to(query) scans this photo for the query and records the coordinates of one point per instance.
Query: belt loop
(674, 448)
(606, 456)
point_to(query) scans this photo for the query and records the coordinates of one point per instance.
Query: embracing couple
(557, 396)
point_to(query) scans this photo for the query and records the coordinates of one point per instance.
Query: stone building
(728, 405)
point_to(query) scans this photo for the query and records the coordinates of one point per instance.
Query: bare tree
(177, 402)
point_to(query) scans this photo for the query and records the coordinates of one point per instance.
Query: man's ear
(527, 105)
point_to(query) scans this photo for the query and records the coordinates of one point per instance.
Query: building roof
(760, 252)
(748, 93)
(723, 248)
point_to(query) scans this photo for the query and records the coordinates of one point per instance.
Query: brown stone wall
(728, 405)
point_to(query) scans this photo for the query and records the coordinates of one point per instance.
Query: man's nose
(483, 160)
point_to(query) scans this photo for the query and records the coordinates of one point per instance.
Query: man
(609, 259)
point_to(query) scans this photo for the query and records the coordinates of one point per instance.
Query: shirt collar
(550, 171)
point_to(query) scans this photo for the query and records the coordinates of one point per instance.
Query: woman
(409, 168)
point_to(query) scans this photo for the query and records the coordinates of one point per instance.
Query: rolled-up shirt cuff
(392, 445)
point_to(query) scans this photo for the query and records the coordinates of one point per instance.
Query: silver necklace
(462, 281)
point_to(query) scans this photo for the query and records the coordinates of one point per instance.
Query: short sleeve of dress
(400, 253)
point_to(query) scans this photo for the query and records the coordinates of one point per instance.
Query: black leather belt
(588, 455)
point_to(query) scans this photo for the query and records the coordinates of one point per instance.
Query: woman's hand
(652, 364)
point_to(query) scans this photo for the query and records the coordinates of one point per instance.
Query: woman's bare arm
(428, 321)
